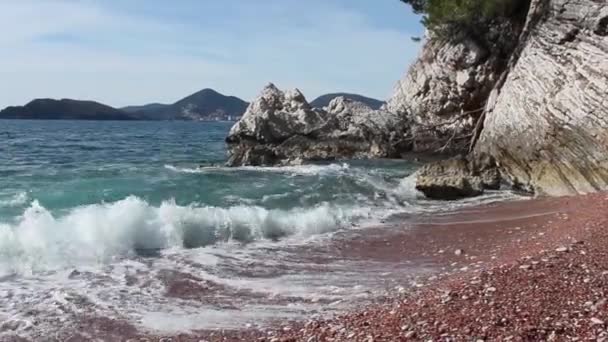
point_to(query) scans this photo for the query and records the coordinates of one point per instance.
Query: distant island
(65, 109)
(204, 105)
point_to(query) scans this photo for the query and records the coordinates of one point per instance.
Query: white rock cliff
(282, 128)
(544, 118)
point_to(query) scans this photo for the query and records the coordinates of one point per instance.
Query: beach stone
(597, 321)
(410, 334)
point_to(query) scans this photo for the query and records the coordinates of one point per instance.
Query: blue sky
(124, 52)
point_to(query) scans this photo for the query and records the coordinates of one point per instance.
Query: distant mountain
(65, 109)
(206, 105)
(148, 107)
(324, 100)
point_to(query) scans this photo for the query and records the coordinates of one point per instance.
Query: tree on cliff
(463, 13)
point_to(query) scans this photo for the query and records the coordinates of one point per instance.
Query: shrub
(442, 14)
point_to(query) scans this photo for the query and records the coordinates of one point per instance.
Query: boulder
(281, 128)
(457, 178)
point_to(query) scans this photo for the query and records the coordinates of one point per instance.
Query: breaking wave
(39, 240)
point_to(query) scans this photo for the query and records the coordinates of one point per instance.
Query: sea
(141, 222)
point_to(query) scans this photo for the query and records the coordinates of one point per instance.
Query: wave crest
(99, 233)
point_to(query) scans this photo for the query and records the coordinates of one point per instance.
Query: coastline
(539, 275)
(525, 270)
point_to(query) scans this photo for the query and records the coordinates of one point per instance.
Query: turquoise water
(75, 192)
(64, 164)
(140, 222)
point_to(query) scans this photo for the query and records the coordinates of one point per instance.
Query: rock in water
(282, 128)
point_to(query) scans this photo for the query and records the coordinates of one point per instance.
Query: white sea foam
(39, 240)
(309, 169)
(16, 200)
(182, 169)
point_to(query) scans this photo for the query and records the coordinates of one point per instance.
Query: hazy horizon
(136, 52)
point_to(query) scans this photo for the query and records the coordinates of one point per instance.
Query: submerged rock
(282, 128)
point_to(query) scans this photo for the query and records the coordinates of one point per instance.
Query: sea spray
(100, 233)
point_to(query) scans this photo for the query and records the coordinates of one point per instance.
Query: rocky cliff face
(282, 128)
(543, 93)
(445, 90)
(547, 125)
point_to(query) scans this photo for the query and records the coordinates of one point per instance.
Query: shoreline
(523, 270)
(533, 277)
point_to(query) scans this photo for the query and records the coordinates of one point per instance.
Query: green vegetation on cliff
(463, 13)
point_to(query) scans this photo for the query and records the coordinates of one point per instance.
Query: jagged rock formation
(547, 125)
(445, 90)
(282, 128)
(545, 103)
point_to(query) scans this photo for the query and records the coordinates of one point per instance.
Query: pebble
(459, 252)
(561, 249)
(597, 321)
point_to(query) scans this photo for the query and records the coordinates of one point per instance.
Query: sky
(132, 52)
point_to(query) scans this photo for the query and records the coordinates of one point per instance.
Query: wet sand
(523, 271)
